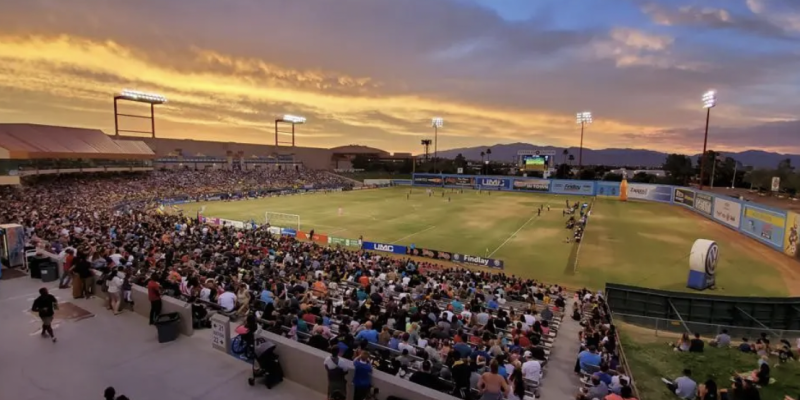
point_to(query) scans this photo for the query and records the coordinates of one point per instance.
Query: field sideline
(636, 243)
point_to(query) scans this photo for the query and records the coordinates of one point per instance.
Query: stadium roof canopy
(31, 141)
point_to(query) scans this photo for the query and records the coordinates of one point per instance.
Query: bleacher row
(476, 342)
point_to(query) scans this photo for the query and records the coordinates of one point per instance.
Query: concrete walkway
(561, 383)
(106, 350)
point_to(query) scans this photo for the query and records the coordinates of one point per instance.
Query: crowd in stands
(454, 330)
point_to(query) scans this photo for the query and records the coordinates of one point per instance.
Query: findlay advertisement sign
(572, 187)
(478, 261)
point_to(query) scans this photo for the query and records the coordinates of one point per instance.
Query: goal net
(282, 220)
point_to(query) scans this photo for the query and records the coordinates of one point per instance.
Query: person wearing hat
(531, 368)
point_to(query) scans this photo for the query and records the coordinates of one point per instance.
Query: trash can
(168, 326)
(35, 266)
(48, 271)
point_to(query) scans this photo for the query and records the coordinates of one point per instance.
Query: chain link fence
(672, 328)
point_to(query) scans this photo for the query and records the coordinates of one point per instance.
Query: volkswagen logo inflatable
(703, 264)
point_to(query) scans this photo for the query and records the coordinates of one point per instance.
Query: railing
(674, 328)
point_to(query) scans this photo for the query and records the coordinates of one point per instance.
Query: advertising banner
(344, 242)
(703, 203)
(478, 261)
(684, 197)
(650, 192)
(388, 248)
(459, 181)
(538, 185)
(428, 253)
(765, 225)
(378, 182)
(494, 183)
(401, 181)
(274, 230)
(791, 241)
(317, 237)
(728, 212)
(572, 187)
(288, 232)
(610, 189)
(427, 180)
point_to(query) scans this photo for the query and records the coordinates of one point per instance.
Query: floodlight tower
(709, 101)
(436, 123)
(583, 118)
(427, 144)
(137, 97)
(287, 119)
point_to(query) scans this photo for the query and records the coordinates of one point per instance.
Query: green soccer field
(501, 224)
(635, 243)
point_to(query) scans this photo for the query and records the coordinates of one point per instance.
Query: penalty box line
(512, 235)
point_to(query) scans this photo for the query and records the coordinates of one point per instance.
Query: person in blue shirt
(267, 296)
(463, 348)
(589, 359)
(603, 375)
(361, 294)
(394, 343)
(457, 306)
(362, 378)
(368, 334)
(492, 305)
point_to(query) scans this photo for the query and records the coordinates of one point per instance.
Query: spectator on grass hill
(722, 340)
(697, 344)
(683, 386)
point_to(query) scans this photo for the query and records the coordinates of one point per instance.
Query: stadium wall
(773, 227)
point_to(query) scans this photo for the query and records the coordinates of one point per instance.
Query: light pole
(287, 119)
(138, 97)
(709, 101)
(583, 118)
(436, 123)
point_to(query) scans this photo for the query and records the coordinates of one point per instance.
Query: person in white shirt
(531, 369)
(227, 301)
(115, 290)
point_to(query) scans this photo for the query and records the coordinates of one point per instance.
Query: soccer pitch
(635, 243)
(501, 224)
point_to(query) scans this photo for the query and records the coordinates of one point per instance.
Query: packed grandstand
(449, 329)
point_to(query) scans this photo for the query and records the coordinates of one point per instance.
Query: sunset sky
(374, 72)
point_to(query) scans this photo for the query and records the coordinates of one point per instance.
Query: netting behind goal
(282, 220)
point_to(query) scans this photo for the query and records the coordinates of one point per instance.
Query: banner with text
(428, 180)
(764, 225)
(582, 188)
(650, 192)
(609, 189)
(388, 248)
(536, 185)
(493, 183)
(317, 237)
(791, 241)
(703, 203)
(684, 197)
(428, 253)
(344, 242)
(459, 181)
(288, 232)
(728, 212)
(478, 261)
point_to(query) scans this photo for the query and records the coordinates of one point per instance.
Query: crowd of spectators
(455, 330)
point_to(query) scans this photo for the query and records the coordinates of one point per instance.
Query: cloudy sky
(374, 72)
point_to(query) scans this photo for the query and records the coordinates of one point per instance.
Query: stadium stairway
(561, 381)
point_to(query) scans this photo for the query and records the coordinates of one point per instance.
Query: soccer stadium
(399, 200)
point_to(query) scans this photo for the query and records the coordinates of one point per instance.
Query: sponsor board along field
(636, 243)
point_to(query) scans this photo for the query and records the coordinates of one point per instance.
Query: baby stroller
(266, 365)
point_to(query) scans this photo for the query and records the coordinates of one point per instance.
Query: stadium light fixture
(142, 97)
(294, 119)
(287, 119)
(582, 118)
(436, 123)
(139, 97)
(709, 102)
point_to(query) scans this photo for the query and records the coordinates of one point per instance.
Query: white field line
(413, 234)
(512, 235)
(336, 231)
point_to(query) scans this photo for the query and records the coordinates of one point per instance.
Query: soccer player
(340, 211)
(45, 305)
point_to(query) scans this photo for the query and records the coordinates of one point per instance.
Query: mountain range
(615, 157)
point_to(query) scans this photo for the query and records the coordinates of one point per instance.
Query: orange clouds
(217, 96)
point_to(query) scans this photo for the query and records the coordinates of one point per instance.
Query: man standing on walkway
(154, 295)
(45, 305)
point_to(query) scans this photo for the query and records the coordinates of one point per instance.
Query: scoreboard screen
(535, 162)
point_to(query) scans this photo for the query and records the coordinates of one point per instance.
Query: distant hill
(615, 157)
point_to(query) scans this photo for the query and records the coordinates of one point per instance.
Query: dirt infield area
(788, 267)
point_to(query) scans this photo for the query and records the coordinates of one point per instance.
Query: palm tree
(565, 153)
(571, 159)
(482, 156)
